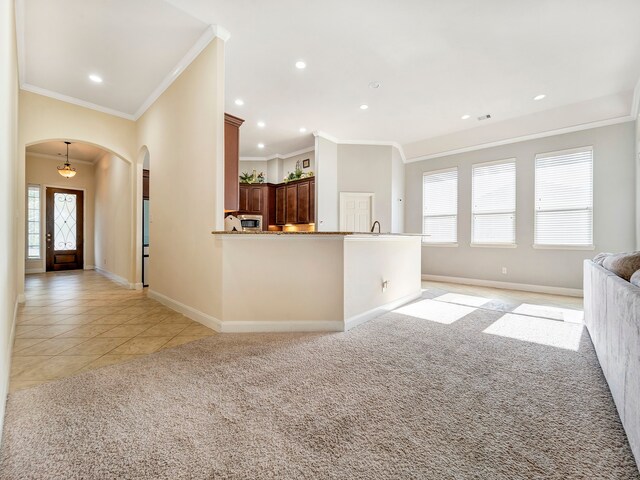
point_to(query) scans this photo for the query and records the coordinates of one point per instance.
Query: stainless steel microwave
(251, 223)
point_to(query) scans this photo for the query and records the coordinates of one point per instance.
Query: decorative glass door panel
(64, 238)
(64, 221)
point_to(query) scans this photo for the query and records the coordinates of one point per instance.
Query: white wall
(638, 183)
(397, 192)
(184, 131)
(113, 215)
(367, 169)
(614, 211)
(327, 198)
(276, 169)
(10, 196)
(41, 170)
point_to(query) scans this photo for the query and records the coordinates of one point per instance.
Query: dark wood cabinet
(259, 199)
(291, 213)
(231, 162)
(296, 202)
(281, 205)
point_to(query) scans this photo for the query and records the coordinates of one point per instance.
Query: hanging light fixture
(67, 170)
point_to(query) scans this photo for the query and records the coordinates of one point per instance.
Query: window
(564, 198)
(440, 206)
(494, 203)
(33, 221)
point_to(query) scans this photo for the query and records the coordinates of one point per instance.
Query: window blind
(440, 206)
(494, 203)
(564, 198)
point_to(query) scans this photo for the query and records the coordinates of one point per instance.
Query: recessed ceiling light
(374, 84)
(95, 78)
(303, 130)
(261, 124)
(300, 65)
(364, 106)
(466, 116)
(539, 97)
(261, 145)
(239, 102)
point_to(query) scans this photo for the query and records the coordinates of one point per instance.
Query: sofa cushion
(635, 279)
(623, 264)
(599, 258)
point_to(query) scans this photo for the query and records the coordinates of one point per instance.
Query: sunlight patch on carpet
(538, 330)
(439, 312)
(554, 313)
(460, 299)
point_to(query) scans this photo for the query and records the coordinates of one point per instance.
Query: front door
(65, 243)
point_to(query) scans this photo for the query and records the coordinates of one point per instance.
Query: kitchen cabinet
(258, 199)
(295, 202)
(231, 162)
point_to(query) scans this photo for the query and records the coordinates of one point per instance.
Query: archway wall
(184, 131)
(43, 119)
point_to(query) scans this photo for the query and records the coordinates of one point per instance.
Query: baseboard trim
(116, 278)
(381, 310)
(34, 270)
(281, 326)
(89, 267)
(523, 287)
(21, 298)
(4, 385)
(200, 317)
(138, 286)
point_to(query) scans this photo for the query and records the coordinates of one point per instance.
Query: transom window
(494, 203)
(564, 198)
(440, 206)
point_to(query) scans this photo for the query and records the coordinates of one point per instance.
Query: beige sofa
(612, 317)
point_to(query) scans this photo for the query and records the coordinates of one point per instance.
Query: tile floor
(80, 320)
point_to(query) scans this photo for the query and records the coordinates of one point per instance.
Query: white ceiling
(77, 151)
(132, 44)
(435, 60)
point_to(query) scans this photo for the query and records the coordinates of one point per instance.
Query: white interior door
(356, 212)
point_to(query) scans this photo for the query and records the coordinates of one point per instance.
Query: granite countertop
(222, 232)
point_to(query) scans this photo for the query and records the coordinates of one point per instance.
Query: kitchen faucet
(373, 227)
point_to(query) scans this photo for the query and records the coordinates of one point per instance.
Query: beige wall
(183, 131)
(113, 215)
(614, 211)
(638, 183)
(8, 192)
(42, 171)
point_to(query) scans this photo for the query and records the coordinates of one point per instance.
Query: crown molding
(278, 156)
(524, 138)
(207, 36)
(381, 143)
(75, 101)
(58, 158)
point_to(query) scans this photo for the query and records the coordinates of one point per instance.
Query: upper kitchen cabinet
(296, 202)
(231, 162)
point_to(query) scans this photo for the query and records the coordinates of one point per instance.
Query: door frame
(343, 196)
(43, 235)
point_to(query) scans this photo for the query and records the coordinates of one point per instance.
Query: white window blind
(33, 221)
(440, 206)
(494, 203)
(564, 198)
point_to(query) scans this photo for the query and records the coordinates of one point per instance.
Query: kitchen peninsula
(313, 281)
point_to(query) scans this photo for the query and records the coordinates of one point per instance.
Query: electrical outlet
(385, 285)
(504, 270)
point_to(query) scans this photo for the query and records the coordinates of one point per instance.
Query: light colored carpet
(399, 397)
